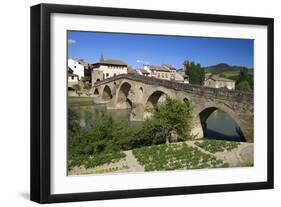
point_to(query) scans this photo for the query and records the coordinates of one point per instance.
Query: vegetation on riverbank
(79, 100)
(214, 146)
(175, 156)
(108, 137)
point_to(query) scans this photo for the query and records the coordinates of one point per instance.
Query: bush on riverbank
(214, 146)
(175, 156)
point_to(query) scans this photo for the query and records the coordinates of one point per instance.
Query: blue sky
(137, 49)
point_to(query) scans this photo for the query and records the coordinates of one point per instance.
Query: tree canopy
(195, 72)
(245, 80)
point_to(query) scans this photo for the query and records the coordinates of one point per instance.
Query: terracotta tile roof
(112, 62)
(157, 68)
(69, 70)
(131, 71)
(84, 63)
(168, 66)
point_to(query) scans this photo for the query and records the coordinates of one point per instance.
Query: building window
(114, 74)
(107, 75)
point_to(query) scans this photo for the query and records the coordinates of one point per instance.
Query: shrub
(214, 146)
(175, 156)
(243, 86)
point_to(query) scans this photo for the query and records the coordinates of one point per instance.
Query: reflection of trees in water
(87, 115)
(89, 122)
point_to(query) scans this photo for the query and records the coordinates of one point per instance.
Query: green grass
(79, 101)
(248, 163)
(214, 146)
(230, 73)
(175, 156)
(96, 160)
(111, 170)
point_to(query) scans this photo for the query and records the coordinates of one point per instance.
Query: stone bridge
(139, 93)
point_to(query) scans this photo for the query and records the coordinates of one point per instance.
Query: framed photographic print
(133, 103)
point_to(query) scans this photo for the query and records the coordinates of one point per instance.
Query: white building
(158, 72)
(172, 70)
(166, 72)
(143, 72)
(108, 68)
(72, 79)
(219, 82)
(76, 67)
(181, 78)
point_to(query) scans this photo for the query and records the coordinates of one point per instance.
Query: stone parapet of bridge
(221, 93)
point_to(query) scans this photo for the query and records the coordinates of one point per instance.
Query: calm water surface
(221, 126)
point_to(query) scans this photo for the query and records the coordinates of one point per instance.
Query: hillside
(225, 70)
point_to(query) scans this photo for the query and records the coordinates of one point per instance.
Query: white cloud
(71, 41)
(142, 62)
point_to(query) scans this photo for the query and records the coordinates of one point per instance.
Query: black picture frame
(41, 98)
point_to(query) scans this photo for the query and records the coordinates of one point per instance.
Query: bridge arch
(155, 98)
(206, 112)
(106, 95)
(96, 92)
(123, 99)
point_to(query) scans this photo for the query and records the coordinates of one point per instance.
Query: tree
(251, 81)
(170, 117)
(243, 75)
(245, 80)
(195, 72)
(243, 86)
(87, 87)
(77, 88)
(86, 79)
(175, 115)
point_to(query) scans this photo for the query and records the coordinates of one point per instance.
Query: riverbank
(80, 100)
(189, 156)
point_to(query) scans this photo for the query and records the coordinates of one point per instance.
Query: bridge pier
(111, 104)
(246, 125)
(137, 113)
(197, 130)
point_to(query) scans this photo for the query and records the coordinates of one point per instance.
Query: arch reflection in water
(221, 126)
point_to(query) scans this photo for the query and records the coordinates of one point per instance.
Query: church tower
(101, 58)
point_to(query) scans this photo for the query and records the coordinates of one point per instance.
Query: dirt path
(132, 163)
(191, 144)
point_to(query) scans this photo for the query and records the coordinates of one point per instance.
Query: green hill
(225, 70)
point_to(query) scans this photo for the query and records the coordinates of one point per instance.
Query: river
(219, 125)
